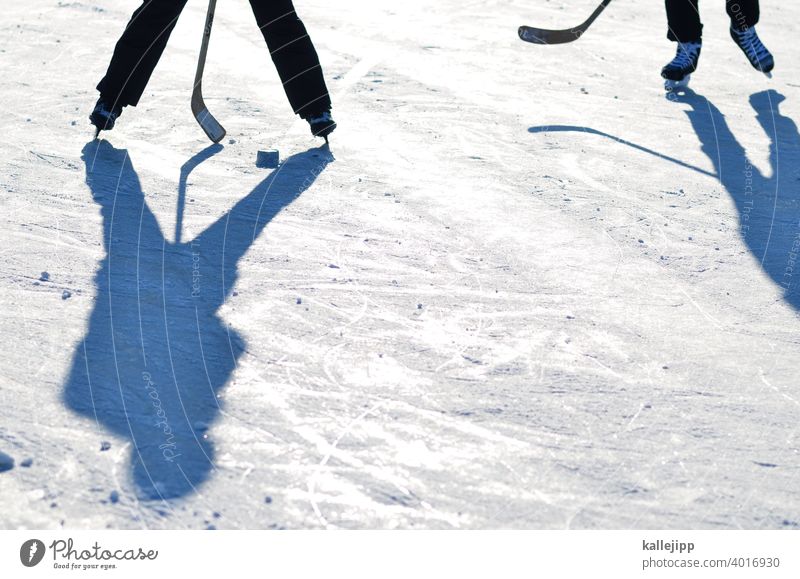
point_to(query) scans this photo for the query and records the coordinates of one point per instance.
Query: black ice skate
(322, 124)
(104, 116)
(678, 72)
(754, 49)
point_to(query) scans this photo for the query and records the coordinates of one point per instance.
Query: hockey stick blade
(207, 122)
(545, 36)
(205, 119)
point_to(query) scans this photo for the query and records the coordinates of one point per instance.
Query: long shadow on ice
(768, 204)
(591, 131)
(156, 352)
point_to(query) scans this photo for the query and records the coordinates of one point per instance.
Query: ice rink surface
(523, 289)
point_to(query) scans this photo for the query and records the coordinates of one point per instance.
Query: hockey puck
(268, 159)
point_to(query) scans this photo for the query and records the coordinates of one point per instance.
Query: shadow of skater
(156, 352)
(769, 206)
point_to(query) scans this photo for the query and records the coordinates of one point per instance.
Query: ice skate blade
(671, 85)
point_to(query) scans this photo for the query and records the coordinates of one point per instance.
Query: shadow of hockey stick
(187, 168)
(574, 129)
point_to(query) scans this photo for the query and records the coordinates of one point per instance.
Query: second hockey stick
(544, 36)
(208, 123)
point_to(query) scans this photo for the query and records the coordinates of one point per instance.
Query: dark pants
(684, 19)
(141, 45)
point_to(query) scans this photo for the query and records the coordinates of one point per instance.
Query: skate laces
(749, 41)
(686, 55)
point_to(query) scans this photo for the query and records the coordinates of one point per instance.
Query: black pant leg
(294, 55)
(744, 14)
(683, 19)
(138, 50)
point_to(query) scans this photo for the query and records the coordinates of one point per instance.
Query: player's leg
(744, 15)
(686, 29)
(135, 57)
(683, 21)
(297, 62)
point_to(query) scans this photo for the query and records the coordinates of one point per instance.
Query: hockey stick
(543, 36)
(208, 123)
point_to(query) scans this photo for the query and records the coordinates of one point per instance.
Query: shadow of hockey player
(156, 352)
(768, 205)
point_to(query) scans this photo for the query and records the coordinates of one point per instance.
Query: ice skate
(321, 124)
(104, 116)
(678, 71)
(755, 51)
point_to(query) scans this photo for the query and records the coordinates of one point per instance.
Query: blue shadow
(768, 204)
(156, 353)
